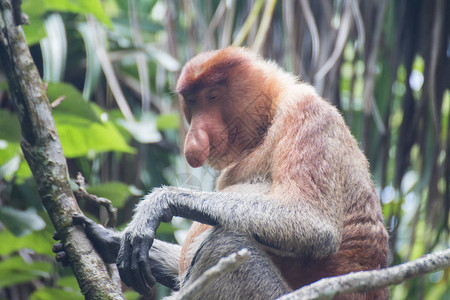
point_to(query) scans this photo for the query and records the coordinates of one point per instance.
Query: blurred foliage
(111, 67)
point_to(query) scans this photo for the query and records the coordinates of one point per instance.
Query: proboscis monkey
(294, 189)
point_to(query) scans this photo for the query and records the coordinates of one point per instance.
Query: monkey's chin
(219, 163)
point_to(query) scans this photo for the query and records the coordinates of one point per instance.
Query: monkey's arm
(271, 223)
(163, 257)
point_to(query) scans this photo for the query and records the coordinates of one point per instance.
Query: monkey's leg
(257, 278)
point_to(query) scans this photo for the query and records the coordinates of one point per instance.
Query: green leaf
(35, 31)
(81, 137)
(168, 121)
(48, 293)
(73, 103)
(40, 242)
(34, 7)
(81, 6)
(21, 222)
(15, 270)
(117, 192)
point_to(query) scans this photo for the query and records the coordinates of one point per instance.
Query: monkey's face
(220, 131)
(221, 96)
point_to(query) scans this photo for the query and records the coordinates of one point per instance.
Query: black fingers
(124, 263)
(79, 219)
(105, 241)
(58, 247)
(56, 236)
(138, 280)
(133, 263)
(61, 255)
(145, 264)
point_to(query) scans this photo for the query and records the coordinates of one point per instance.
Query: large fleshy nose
(196, 147)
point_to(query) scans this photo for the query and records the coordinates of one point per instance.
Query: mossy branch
(43, 152)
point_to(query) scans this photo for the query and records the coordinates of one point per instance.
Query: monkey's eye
(191, 101)
(213, 96)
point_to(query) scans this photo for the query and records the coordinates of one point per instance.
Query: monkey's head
(221, 93)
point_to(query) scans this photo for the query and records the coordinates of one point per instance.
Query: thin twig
(141, 59)
(370, 107)
(311, 23)
(439, 12)
(108, 70)
(81, 193)
(370, 280)
(264, 25)
(225, 265)
(218, 15)
(359, 24)
(339, 46)
(252, 16)
(58, 101)
(227, 29)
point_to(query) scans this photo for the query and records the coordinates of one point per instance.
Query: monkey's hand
(133, 261)
(105, 241)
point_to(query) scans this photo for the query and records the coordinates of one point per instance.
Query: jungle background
(112, 66)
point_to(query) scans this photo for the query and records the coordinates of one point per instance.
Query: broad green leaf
(21, 222)
(117, 192)
(81, 137)
(34, 7)
(81, 6)
(35, 31)
(73, 103)
(48, 293)
(15, 270)
(168, 121)
(40, 242)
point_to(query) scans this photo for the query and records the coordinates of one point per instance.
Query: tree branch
(224, 265)
(81, 193)
(365, 281)
(43, 152)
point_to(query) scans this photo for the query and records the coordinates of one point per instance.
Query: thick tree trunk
(43, 152)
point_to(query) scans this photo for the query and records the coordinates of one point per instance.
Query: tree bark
(42, 149)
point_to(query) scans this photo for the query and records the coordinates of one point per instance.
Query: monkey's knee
(257, 278)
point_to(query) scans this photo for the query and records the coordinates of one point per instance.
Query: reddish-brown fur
(265, 125)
